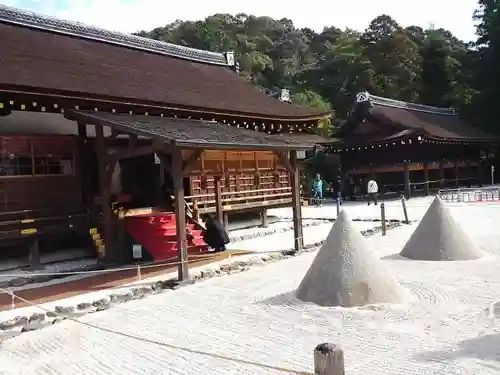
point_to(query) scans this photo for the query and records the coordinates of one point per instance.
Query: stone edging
(21, 324)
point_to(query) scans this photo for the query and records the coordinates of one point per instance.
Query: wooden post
(34, 254)
(328, 360)
(407, 181)
(441, 173)
(382, 219)
(180, 215)
(82, 166)
(263, 218)
(296, 206)
(105, 194)
(218, 197)
(405, 210)
(457, 174)
(426, 179)
(225, 217)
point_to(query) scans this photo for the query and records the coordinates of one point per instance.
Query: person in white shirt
(372, 189)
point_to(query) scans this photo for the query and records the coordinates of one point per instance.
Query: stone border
(21, 324)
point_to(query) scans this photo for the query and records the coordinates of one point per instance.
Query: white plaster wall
(24, 122)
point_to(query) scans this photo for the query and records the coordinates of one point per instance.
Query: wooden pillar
(263, 218)
(426, 179)
(34, 254)
(407, 181)
(82, 166)
(225, 222)
(218, 197)
(105, 194)
(468, 173)
(133, 139)
(457, 173)
(180, 214)
(296, 204)
(441, 173)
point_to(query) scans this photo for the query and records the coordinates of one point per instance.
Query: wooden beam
(187, 165)
(296, 203)
(180, 215)
(133, 152)
(218, 198)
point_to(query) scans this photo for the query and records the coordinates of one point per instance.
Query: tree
(486, 110)
(325, 70)
(311, 99)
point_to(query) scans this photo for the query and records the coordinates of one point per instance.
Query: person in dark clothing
(215, 235)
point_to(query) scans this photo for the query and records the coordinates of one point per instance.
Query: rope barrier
(160, 343)
(138, 267)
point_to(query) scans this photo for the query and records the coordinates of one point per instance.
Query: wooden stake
(382, 219)
(328, 360)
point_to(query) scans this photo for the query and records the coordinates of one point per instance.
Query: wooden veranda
(178, 143)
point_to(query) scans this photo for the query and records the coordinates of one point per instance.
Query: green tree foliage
(325, 70)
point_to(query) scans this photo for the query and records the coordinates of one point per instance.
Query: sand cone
(439, 237)
(347, 273)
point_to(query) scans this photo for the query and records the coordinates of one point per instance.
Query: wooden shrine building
(410, 147)
(94, 122)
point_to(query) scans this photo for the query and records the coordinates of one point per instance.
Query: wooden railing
(240, 200)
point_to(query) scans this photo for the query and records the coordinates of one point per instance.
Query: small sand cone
(347, 273)
(439, 237)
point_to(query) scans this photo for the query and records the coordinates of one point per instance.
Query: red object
(157, 234)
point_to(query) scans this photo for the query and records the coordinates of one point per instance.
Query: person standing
(372, 190)
(317, 190)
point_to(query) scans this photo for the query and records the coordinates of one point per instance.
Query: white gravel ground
(254, 316)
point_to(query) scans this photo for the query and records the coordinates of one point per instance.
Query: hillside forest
(325, 70)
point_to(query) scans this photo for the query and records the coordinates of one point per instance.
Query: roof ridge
(30, 19)
(379, 100)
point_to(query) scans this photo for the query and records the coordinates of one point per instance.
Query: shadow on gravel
(483, 348)
(285, 299)
(394, 257)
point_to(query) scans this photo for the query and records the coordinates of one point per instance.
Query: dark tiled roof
(42, 56)
(306, 138)
(189, 133)
(432, 122)
(38, 21)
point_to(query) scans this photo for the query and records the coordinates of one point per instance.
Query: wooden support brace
(187, 165)
(286, 162)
